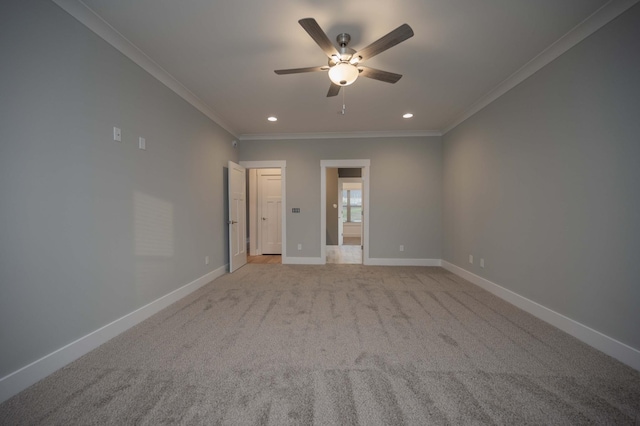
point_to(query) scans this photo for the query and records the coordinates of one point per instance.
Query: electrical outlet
(206, 260)
(299, 246)
(482, 263)
(471, 258)
(401, 248)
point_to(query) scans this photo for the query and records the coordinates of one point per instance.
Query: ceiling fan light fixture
(343, 74)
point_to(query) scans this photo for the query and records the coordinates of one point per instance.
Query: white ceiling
(224, 53)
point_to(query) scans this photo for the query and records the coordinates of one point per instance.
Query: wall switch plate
(117, 134)
(299, 246)
(142, 143)
(206, 260)
(482, 263)
(401, 248)
(470, 258)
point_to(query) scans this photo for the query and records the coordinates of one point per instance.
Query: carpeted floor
(336, 345)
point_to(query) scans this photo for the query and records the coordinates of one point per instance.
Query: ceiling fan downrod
(346, 53)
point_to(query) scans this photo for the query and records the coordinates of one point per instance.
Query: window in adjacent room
(352, 203)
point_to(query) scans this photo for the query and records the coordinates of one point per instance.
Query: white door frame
(365, 165)
(282, 165)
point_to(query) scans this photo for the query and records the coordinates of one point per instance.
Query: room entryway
(266, 218)
(349, 206)
(346, 217)
(269, 211)
(344, 212)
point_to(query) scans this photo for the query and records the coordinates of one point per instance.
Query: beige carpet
(338, 345)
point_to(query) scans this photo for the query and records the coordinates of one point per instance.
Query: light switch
(117, 134)
(142, 143)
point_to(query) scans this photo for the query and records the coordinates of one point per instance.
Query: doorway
(266, 207)
(265, 211)
(330, 245)
(349, 209)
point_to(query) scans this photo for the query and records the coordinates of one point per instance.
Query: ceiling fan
(344, 63)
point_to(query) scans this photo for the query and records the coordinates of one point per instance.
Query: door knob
(264, 218)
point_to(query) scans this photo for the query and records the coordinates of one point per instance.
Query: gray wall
(92, 229)
(332, 213)
(406, 188)
(543, 184)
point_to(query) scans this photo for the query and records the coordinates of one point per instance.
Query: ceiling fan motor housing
(346, 53)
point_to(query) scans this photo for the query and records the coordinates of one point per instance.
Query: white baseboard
(20, 379)
(591, 337)
(302, 260)
(402, 262)
(370, 261)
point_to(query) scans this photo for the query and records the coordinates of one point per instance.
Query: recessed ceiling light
(407, 115)
(272, 118)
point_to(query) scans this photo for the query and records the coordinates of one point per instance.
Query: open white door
(340, 214)
(237, 216)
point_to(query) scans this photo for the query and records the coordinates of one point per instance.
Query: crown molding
(584, 29)
(591, 24)
(95, 23)
(337, 135)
